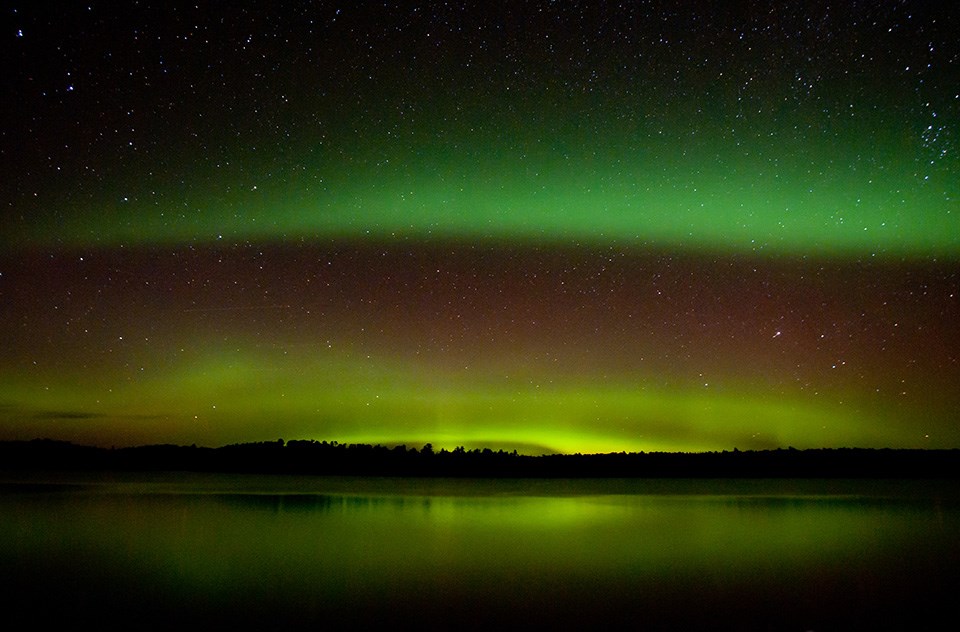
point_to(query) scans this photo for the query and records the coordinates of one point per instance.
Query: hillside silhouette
(333, 458)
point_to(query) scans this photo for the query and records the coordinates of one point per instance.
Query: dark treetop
(333, 458)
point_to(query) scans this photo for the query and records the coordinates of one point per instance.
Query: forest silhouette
(354, 459)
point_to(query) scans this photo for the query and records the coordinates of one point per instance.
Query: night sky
(549, 226)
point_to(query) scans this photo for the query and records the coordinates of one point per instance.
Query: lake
(229, 552)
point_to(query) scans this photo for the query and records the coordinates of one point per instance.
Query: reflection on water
(236, 554)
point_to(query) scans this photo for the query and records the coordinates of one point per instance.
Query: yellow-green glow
(237, 396)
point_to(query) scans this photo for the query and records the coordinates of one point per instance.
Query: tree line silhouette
(333, 458)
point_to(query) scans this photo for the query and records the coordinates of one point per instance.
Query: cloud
(67, 415)
(19, 411)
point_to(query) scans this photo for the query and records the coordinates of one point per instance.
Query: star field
(552, 226)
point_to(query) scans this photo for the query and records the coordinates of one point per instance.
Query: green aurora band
(793, 201)
(254, 400)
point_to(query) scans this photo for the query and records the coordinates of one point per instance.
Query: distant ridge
(332, 458)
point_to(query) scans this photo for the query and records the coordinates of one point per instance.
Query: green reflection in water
(355, 557)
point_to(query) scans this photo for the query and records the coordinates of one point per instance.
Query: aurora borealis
(536, 225)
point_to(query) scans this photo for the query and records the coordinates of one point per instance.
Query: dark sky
(557, 226)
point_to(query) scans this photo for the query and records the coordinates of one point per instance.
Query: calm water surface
(220, 552)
